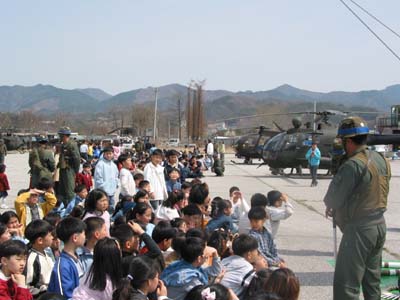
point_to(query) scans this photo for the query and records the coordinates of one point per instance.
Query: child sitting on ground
(278, 209)
(181, 276)
(173, 182)
(39, 263)
(221, 211)
(12, 281)
(68, 268)
(239, 270)
(266, 245)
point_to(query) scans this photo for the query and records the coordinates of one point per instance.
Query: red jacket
(4, 186)
(84, 178)
(10, 290)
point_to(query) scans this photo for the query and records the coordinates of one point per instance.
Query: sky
(235, 45)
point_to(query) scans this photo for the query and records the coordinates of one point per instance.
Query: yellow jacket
(23, 211)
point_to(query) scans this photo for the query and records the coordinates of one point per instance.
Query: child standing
(12, 281)
(68, 269)
(278, 209)
(106, 175)
(39, 262)
(266, 245)
(240, 208)
(173, 181)
(128, 187)
(85, 177)
(4, 186)
(154, 173)
(96, 205)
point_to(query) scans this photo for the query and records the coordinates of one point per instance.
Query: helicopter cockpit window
(274, 143)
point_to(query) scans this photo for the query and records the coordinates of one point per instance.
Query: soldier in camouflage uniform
(3, 151)
(41, 162)
(357, 198)
(68, 164)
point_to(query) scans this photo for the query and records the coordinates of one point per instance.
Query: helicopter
(250, 146)
(288, 149)
(13, 142)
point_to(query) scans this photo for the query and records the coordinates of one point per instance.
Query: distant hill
(97, 94)
(44, 99)
(48, 99)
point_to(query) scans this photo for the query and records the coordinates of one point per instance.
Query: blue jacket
(106, 176)
(171, 186)
(315, 160)
(72, 204)
(222, 221)
(64, 277)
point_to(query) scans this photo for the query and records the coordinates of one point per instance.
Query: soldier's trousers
(359, 262)
(66, 186)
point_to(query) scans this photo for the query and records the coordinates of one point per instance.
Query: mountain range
(47, 99)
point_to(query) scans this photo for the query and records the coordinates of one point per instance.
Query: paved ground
(304, 240)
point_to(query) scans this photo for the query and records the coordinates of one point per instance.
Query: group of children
(163, 239)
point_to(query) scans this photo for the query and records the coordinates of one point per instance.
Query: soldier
(68, 164)
(357, 199)
(41, 162)
(3, 151)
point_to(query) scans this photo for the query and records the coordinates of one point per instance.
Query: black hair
(233, 189)
(257, 283)
(68, 227)
(264, 296)
(51, 296)
(86, 165)
(177, 222)
(120, 220)
(284, 283)
(257, 213)
(140, 194)
(106, 264)
(79, 188)
(77, 212)
(195, 232)
(138, 176)
(92, 198)
(174, 170)
(37, 229)
(191, 210)
(2, 168)
(173, 198)
(218, 239)
(7, 215)
(221, 292)
(45, 184)
(258, 199)
(273, 197)
(186, 185)
(122, 233)
(53, 218)
(178, 241)
(243, 244)
(192, 248)
(123, 157)
(143, 183)
(139, 209)
(92, 225)
(198, 193)
(3, 228)
(163, 231)
(120, 204)
(157, 152)
(13, 247)
(218, 205)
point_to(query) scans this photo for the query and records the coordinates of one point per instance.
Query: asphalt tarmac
(305, 240)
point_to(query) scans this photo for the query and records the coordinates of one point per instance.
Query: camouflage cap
(352, 126)
(64, 130)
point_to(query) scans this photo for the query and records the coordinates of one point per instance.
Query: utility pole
(155, 115)
(179, 118)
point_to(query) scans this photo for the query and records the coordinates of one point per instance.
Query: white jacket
(128, 187)
(155, 175)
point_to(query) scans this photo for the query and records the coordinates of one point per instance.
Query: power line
(370, 29)
(375, 18)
